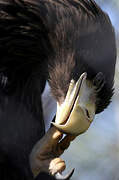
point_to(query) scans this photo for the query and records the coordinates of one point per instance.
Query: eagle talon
(45, 154)
(59, 176)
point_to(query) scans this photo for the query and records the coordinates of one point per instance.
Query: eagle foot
(45, 154)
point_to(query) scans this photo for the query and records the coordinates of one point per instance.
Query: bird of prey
(70, 44)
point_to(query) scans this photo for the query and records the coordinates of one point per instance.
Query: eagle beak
(76, 113)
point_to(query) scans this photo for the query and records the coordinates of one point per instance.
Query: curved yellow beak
(77, 112)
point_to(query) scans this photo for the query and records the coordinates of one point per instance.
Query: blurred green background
(95, 154)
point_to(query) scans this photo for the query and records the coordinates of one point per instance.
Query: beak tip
(84, 75)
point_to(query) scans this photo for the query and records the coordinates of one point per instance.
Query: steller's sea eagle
(70, 44)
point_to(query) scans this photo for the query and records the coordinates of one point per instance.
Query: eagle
(68, 43)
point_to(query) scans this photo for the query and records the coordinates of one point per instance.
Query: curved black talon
(59, 176)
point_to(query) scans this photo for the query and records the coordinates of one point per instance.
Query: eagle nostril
(87, 113)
